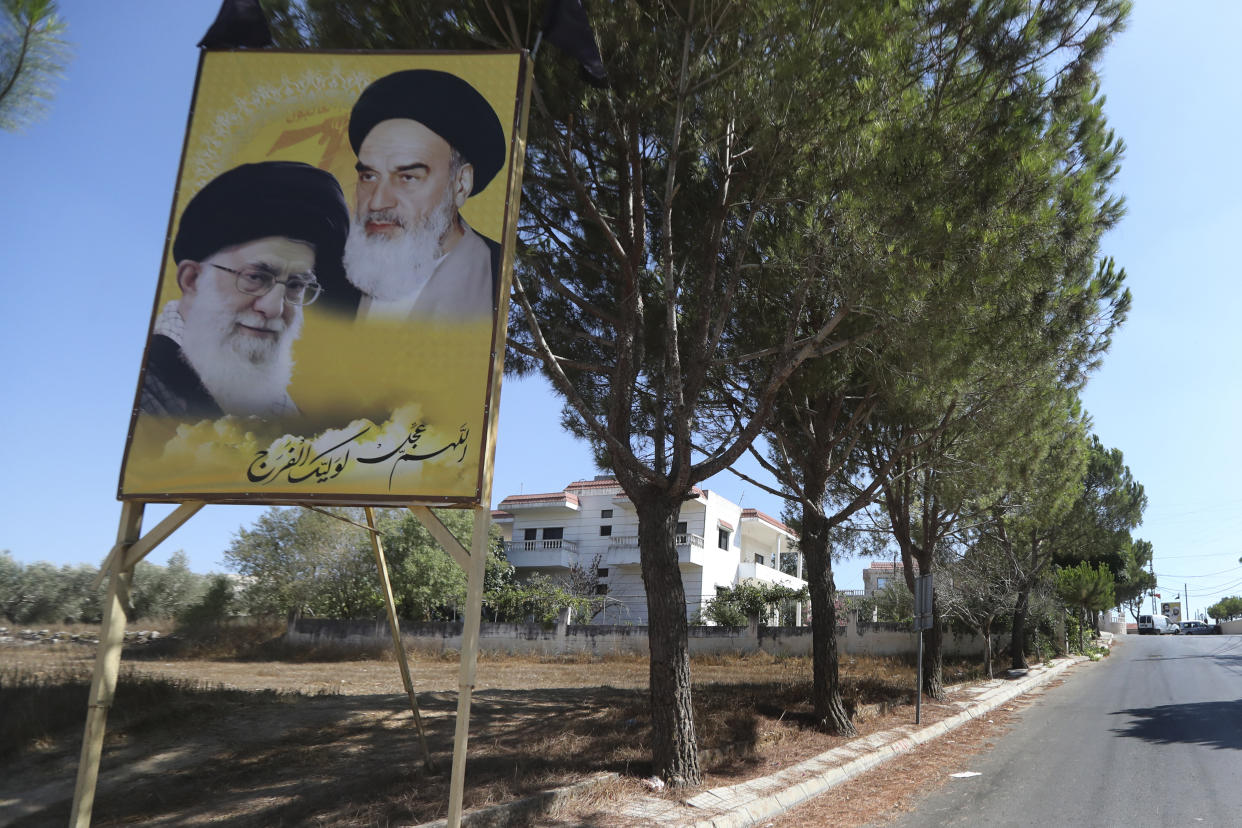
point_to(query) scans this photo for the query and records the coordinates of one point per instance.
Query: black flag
(565, 25)
(240, 24)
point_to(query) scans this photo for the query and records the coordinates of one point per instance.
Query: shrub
(205, 616)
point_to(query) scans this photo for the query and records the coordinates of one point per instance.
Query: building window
(681, 527)
(722, 538)
(758, 559)
(554, 533)
(601, 589)
(881, 583)
(605, 513)
(602, 572)
(605, 530)
(530, 534)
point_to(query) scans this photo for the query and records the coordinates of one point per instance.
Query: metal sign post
(922, 621)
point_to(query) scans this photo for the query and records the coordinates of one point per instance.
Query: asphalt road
(1150, 736)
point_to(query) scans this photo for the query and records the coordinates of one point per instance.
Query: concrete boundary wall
(1113, 624)
(855, 638)
(1231, 627)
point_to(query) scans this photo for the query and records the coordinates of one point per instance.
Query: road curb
(746, 806)
(773, 804)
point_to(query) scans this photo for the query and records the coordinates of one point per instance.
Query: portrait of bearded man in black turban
(248, 250)
(426, 141)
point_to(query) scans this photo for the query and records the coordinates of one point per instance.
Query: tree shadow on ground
(181, 751)
(1215, 724)
(353, 760)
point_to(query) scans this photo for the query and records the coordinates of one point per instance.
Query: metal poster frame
(132, 545)
(199, 157)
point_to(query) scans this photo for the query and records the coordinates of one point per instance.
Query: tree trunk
(1017, 639)
(674, 751)
(933, 656)
(830, 713)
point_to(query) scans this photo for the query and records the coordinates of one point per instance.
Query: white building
(592, 524)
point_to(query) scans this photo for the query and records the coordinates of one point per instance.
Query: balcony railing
(540, 545)
(623, 549)
(631, 541)
(545, 553)
(763, 572)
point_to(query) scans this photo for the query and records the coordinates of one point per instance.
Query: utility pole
(1151, 567)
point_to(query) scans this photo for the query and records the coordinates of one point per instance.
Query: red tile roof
(570, 499)
(606, 483)
(755, 514)
(612, 483)
(566, 498)
(888, 566)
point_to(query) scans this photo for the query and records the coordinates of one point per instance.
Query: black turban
(446, 105)
(272, 198)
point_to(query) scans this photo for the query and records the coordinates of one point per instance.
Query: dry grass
(331, 742)
(253, 640)
(43, 706)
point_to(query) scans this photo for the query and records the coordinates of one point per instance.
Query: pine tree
(33, 54)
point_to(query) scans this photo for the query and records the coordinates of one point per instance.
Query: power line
(1208, 575)
(1202, 593)
(1168, 513)
(1163, 556)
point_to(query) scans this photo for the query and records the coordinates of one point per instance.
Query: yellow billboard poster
(330, 314)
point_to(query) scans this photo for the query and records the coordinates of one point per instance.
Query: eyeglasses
(255, 281)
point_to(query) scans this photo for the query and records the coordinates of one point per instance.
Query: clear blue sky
(85, 208)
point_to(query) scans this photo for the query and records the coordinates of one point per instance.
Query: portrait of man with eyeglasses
(248, 250)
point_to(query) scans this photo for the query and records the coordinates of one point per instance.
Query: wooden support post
(107, 666)
(469, 658)
(160, 532)
(126, 556)
(442, 534)
(397, 645)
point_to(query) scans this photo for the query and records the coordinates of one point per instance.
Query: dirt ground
(881, 795)
(254, 743)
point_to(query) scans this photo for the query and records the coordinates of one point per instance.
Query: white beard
(245, 375)
(392, 269)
